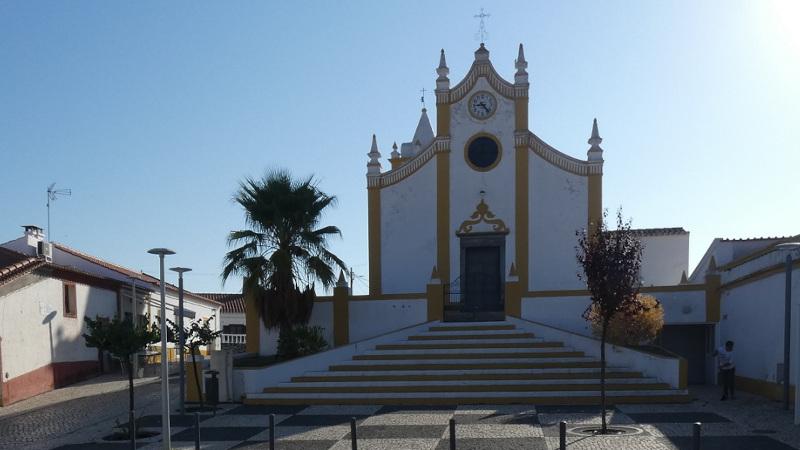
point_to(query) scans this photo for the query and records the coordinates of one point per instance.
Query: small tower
(521, 77)
(595, 153)
(374, 164)
(396, 160)
(442, 82)
(482, 54)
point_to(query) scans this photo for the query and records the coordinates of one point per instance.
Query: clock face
(482, 105)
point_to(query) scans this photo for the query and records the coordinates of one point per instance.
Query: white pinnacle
(374, 164)
(522, 75)
(442, 82)
(595, 153)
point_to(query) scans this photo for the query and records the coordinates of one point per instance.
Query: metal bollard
(452, 434)
(696, 435)
(353, 437)
(272, 432)
(196, 431)
(132, 425)
(562, 435)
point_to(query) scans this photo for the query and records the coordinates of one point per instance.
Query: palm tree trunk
(603, 428)
(196, 377)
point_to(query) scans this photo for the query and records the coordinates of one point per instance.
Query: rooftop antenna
(52, 195)
(482, 34)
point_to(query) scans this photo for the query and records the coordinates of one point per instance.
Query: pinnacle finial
(395, 154)
(442, 82)
(522, 75)
(374, 164)
(595, 151)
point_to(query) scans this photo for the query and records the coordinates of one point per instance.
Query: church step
(460, 364)
(458, 335)
(488, 326)
(459, 375)
(468, 385)
(472, 343)
(491, 397)
(466, 354)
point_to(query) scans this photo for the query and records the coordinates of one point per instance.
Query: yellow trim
(683, 373)
(426, 346)
(496, 161)
(759, 275)
(374, 231)
(487, 387)
(444, 337)
(521, 222)
(764, 388)
(341, 316)
(472, 328)
(411, 296)
(443, 215)
(455, 355)
(595, 212)
(712, 298)
(442, 119)
(643, 290)
(482, 214)
(521, 113)
(435, 299)
(757, 253)
(463, 366)
(397, 162)
(423, 401)
(466, 376)
(513, 300)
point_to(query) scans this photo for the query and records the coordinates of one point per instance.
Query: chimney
(33, 235)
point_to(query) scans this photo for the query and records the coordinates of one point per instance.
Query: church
(473, 288)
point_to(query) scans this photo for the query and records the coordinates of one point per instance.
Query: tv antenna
(52, 195)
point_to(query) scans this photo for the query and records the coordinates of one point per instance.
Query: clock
(482, 105)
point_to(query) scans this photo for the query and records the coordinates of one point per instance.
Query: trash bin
(212, 387)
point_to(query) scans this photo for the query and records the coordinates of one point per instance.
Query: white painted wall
(408, 231)
(682, 307)
(558, 208)
(35, 331)
(370, 318)
(466, 183)
(562, 312)
(664, 259)
(752, 316)
(321, 315)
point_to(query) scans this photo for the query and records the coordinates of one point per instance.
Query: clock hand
(484, 106)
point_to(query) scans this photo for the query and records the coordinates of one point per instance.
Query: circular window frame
(497, 160)
(494, 111)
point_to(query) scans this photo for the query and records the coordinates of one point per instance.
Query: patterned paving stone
(732, 443)
(615, 418)
(265, 409)
(496, 409)
(211, 434)
(389, 409)
(388, 444)
(407, 419)
(473, 431)
(677, 417)
(309, 433)
(495, 444)
(340, 410)
(286, 445)
(522, 418)
(242, 420)
(317, 421)
(399, 432)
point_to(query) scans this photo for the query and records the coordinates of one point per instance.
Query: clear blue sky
(151, 112)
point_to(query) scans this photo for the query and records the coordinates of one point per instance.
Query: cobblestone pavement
(82, 412)
(748, 423)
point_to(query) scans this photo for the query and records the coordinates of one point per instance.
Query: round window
(483, 153)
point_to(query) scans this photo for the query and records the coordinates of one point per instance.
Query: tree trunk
(603, 428)
(196, 377)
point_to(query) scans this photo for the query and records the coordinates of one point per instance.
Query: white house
(42, 306)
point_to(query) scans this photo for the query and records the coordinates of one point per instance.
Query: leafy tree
(196, 335)
(611, 260)
(640, 328)
(284, 247)
(123, 339)
(301, 340)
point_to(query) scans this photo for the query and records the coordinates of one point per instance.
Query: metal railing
(234, 339)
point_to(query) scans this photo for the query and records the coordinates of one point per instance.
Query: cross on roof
(482, 26)
(422, 99)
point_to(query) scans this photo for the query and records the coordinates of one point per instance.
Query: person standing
(727, 370)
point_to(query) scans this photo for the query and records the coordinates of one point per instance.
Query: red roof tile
(231, 303)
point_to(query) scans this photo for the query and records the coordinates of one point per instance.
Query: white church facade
(474, 222)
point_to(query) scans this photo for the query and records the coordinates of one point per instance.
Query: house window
(70, 302)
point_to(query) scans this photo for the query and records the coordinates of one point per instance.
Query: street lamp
(166, 441)
(181, 336)
(787, 322)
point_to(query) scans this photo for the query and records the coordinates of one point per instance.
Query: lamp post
(787, 322)
(181, 337)
(165, 437)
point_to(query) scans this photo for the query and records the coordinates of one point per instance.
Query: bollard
(562, 435)
(696, 435)
(132, 425)
(353, 437)
(272, 432)
(452, 434)
(196, 431)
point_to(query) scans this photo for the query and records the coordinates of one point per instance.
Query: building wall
(370, 318)
(321, 315)
(664, 259)
(42, 348)
(558, 208)
(408, 231)
(467, 183)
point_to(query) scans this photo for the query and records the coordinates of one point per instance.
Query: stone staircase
(477, 362)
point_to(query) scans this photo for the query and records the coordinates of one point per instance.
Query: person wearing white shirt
(727, 370)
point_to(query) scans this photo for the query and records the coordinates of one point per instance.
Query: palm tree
(284, 247)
